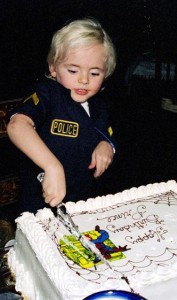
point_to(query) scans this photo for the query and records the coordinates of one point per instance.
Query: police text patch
(65, 128)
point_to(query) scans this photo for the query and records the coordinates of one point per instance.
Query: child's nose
(83, 78)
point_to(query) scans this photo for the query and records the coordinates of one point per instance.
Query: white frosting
(144, 219)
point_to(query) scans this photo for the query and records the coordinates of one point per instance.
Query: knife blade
(69, 224)
(66, 219)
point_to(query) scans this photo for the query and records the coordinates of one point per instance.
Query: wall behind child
(27, 27)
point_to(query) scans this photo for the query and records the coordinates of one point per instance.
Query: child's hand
(54, 186)
(102, 157)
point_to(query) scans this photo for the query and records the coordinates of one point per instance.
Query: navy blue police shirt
(70, 134)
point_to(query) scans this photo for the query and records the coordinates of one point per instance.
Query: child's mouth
(81, 92)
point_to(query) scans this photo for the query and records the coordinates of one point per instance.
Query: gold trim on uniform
(64, 128)
(110, 131)
(34, 98)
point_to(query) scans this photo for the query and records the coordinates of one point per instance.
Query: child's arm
(22, 133)
(102, 157)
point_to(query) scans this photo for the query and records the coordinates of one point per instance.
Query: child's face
(82, 71)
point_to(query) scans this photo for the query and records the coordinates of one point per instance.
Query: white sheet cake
(140, 222)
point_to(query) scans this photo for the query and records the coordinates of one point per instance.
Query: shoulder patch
(34, 98)
(110, 131)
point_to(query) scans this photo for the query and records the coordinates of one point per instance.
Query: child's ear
(52, 70)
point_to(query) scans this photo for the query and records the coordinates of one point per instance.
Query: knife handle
(61, 206)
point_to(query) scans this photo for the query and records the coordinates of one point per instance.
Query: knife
(66, 219)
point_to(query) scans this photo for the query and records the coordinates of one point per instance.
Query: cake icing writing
(144, 226)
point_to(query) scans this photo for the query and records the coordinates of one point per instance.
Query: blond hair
(80, 33)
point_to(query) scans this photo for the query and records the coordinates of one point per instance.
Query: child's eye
(72, 71)
(95, 74)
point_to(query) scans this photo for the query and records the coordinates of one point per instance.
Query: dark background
(145, 133)
(26, 28)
